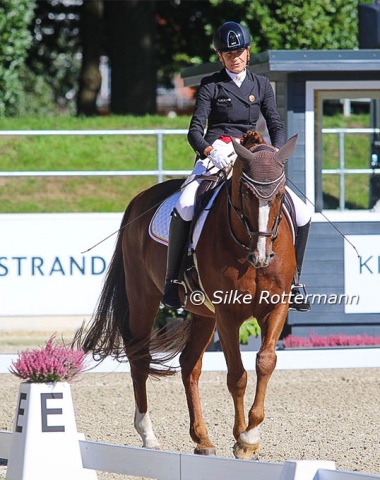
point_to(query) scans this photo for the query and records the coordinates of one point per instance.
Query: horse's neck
(235, 222)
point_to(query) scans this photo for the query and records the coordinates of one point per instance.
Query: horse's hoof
(246, 451)
(210, 451)
(152, 446)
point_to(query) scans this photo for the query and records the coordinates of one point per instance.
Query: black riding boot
(298, 300)
(178, 237)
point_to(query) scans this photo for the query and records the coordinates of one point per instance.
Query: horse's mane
(252, 138)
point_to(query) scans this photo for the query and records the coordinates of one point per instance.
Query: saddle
(189, 276)
(204, 195)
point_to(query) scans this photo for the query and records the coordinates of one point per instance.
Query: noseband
(258, 189)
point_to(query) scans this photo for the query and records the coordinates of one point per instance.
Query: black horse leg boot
(178, 237)
(298, 299)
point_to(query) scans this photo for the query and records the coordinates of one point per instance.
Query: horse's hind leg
(202, 329)
(142, 315)
(142, 422)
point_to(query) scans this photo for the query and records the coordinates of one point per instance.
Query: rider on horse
(228, 103)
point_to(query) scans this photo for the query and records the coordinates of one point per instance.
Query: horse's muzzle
(258, 262)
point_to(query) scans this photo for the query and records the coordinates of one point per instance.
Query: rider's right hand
(219, 159)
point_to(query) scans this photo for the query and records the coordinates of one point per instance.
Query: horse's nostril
(254, 261)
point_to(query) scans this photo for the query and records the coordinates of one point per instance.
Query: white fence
(165, 465)
(160, 172)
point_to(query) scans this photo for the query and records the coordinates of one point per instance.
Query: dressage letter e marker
(20, 411)
(50, 411)
(47, 435)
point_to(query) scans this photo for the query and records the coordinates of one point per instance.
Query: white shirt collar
(237, 78)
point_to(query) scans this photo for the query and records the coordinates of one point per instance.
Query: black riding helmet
(231, 36)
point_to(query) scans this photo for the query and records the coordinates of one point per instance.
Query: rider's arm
(198, 121)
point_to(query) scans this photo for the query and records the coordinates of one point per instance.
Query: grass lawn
(85, 194)
(112, 194)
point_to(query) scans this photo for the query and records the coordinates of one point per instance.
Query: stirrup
(298, 300)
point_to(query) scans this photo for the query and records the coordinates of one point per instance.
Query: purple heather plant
(52, 363)
(332, 340)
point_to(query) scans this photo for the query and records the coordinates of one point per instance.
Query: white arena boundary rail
(165, 465)
(289, 359)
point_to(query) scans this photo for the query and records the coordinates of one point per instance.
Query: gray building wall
(323, 271)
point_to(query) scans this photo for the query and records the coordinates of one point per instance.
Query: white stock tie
(238, 79)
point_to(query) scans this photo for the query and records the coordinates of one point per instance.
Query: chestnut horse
(245, 251)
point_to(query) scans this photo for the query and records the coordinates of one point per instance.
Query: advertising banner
(42, 268)
(362, 274)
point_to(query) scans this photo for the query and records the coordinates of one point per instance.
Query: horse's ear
(242, 152)
(286, 150)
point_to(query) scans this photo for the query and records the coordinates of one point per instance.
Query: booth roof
(288, 61)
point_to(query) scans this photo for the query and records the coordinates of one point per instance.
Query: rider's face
(235, 61)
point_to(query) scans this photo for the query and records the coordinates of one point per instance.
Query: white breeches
(186, 201)
(303, 215)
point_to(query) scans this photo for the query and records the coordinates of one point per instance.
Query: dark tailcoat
(227, 110)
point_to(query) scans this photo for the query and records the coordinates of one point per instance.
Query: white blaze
(263, 227)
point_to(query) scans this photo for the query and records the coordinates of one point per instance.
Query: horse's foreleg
(237, 384)
(248, 442)
(265, 364)
(202, 330)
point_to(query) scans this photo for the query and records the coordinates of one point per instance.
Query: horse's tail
(109, 333)
(109, 329)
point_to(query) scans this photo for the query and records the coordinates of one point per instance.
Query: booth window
(347, 173)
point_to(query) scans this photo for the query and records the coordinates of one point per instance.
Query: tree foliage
(284, 25)
(15, 39)
(182, 31)
(55, 49)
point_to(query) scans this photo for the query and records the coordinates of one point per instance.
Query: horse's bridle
(252, 185)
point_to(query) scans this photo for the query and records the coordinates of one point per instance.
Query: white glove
(219, 159)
